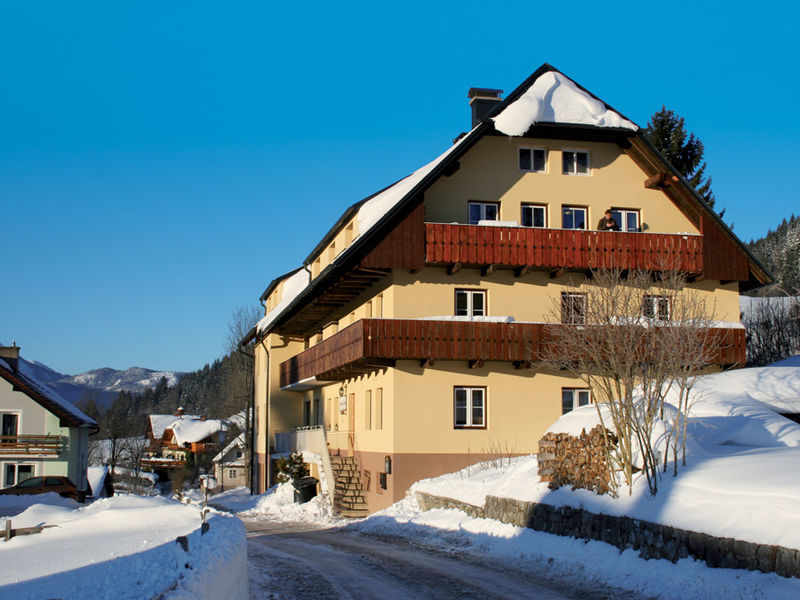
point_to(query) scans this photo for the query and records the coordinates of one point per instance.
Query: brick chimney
(10, 354)
(483, 101)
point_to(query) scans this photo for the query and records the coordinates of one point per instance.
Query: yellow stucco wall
(615, 180)
(418, 402)
(532, 297)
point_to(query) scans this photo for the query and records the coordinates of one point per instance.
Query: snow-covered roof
(46, 396)
(555, 98)
(237, 442)
(547, 97)
(369, 214)
(186, 428)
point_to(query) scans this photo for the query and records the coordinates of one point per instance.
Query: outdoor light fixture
(387, 465)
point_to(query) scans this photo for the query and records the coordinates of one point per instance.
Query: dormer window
(575, 162)
(533, 160)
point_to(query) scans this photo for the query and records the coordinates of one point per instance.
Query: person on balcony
(608, 223)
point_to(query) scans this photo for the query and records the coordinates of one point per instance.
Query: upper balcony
(371, 344)
(553, 249)
(30, 444)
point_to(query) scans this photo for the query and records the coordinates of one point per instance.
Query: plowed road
(295, 561)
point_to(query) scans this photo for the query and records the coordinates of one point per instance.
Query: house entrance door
(351, 424)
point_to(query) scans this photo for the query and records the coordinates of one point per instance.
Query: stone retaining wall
(650, 539)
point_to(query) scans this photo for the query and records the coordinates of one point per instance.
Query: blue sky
(157, 160)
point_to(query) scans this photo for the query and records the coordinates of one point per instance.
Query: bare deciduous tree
(134, 449)
(239, 388)
(773, 328)
(633, 341)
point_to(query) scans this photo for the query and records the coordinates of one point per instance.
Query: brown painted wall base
(652, 540)
(407, 468)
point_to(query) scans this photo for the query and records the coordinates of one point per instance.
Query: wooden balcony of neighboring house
(372, 344)
(31, 444)
(527, 248)
(162, 463)
(204, 447)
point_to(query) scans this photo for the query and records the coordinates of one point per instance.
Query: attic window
(532, 159)
(575, 162)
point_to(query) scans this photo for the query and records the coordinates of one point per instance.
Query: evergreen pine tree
(667, 132)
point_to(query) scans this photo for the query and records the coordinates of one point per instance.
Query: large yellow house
(404, 346)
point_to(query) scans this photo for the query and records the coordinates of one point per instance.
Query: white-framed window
(572, 398)
(573, 217)
(575, 162)
(656, 307)
(14, 473)
(9, 425)
(534, 215)
(483, 211)
(469, 407)
(573, 308)
(470, 303)
(627, 220)
(232, 473)
(533, 160)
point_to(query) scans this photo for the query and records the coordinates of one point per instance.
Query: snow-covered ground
(276, 504)
(122, 547)
(742, 480)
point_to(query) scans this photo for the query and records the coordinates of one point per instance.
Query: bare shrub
(634, 341)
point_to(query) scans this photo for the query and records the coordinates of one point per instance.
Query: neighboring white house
(41, 433)
(230, 465)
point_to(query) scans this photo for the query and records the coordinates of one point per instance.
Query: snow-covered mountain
(135, 379)
(101, 384)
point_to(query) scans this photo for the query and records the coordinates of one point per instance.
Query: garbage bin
(305, 489)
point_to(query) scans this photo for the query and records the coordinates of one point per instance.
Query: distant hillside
(102, 385)
(135, 379)
(779, 252)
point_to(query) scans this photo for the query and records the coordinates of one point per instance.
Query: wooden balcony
(371, 344)
(534, 248)
(162, 463)
(31, 444)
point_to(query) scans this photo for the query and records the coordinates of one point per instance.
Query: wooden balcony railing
(370, 344)
(162, 463)
(561, 248)
(31, 444)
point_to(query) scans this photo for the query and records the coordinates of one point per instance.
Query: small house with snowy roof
(231, 464)
(41, 433)
(174, 439)
(405, 344)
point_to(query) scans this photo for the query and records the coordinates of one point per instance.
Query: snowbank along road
(298, 561)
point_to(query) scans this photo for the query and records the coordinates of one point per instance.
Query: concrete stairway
(348, 499)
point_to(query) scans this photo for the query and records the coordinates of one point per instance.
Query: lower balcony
(372, 344)
(31, 444)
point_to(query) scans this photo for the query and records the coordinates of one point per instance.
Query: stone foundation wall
(650, 539)
(579, 462)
